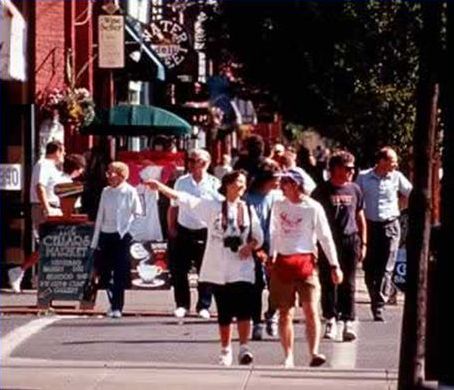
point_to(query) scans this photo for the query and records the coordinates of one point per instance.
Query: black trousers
(339, 301)
(261, 281)
(383, 243)
(186, 250)
(115, 274)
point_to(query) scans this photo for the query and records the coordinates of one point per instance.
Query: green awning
(135, 120)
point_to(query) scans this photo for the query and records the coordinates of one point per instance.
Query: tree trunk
(412, 353)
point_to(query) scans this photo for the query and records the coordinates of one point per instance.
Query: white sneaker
(114, 313)
(180, 312)
(349, 333)
(289, 362)
(226, 357)
(245, 356)
(15, 276)
(330, 329)
(205, 314)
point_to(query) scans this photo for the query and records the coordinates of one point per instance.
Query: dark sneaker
(257, 332)
(271, 326)
(330, 329)
(378, 316)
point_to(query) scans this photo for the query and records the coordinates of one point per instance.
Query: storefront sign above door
(169, 40)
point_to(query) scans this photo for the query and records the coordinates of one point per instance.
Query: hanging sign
(169, 40)
(12, 43)
(111, 40)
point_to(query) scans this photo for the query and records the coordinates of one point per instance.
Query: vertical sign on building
(111, 40)
(12, 43)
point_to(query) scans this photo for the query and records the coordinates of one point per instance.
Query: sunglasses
(349, 168)
(194, 160)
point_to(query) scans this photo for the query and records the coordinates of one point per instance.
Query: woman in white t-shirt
(234, 232)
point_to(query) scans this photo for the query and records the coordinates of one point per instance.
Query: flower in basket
(75, 106)
(50, 100)
(79, 108)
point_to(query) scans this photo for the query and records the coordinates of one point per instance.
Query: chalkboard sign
(66, 262)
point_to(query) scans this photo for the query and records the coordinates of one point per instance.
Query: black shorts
(234, 300)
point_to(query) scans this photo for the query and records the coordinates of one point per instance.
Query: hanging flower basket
(74, 106)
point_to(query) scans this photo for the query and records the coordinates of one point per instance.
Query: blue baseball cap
(295, 175)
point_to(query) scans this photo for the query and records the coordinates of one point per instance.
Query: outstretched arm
(163, 189)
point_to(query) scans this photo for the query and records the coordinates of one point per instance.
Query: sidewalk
(137, 302)
(120, 376)
(44, 370)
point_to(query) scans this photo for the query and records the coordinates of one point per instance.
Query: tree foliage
(348, 68)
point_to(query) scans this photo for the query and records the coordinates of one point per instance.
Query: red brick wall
(50, 44)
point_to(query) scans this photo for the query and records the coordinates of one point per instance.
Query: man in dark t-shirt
(343, 203)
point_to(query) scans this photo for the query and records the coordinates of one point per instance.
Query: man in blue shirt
(381, 187)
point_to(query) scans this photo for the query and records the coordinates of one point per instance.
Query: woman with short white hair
(118, 207)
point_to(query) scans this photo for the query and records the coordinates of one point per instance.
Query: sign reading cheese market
(169, 40)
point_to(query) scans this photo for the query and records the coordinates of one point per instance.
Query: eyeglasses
(111, 174)
(194, 160)
(349, 168)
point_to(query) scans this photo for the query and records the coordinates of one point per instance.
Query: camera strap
(239, 216)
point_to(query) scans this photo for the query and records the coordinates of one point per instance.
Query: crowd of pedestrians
(268, 222)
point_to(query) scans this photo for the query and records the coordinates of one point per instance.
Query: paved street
(149, 347)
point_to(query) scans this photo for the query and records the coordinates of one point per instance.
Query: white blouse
(117, 209)
(220, 264)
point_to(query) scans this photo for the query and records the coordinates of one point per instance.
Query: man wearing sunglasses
(382, 186)
(344, 207)
(188, 234)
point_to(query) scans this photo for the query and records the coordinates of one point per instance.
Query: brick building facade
(59, 33)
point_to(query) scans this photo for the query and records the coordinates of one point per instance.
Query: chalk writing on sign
(66, 261)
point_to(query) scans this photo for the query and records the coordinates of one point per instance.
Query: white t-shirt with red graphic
(296, 228)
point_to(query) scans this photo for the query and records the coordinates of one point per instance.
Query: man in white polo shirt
(188, 234)
(44, 201)
(44, 177)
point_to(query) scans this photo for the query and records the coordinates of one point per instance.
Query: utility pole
(445, 263)
(412, 353)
